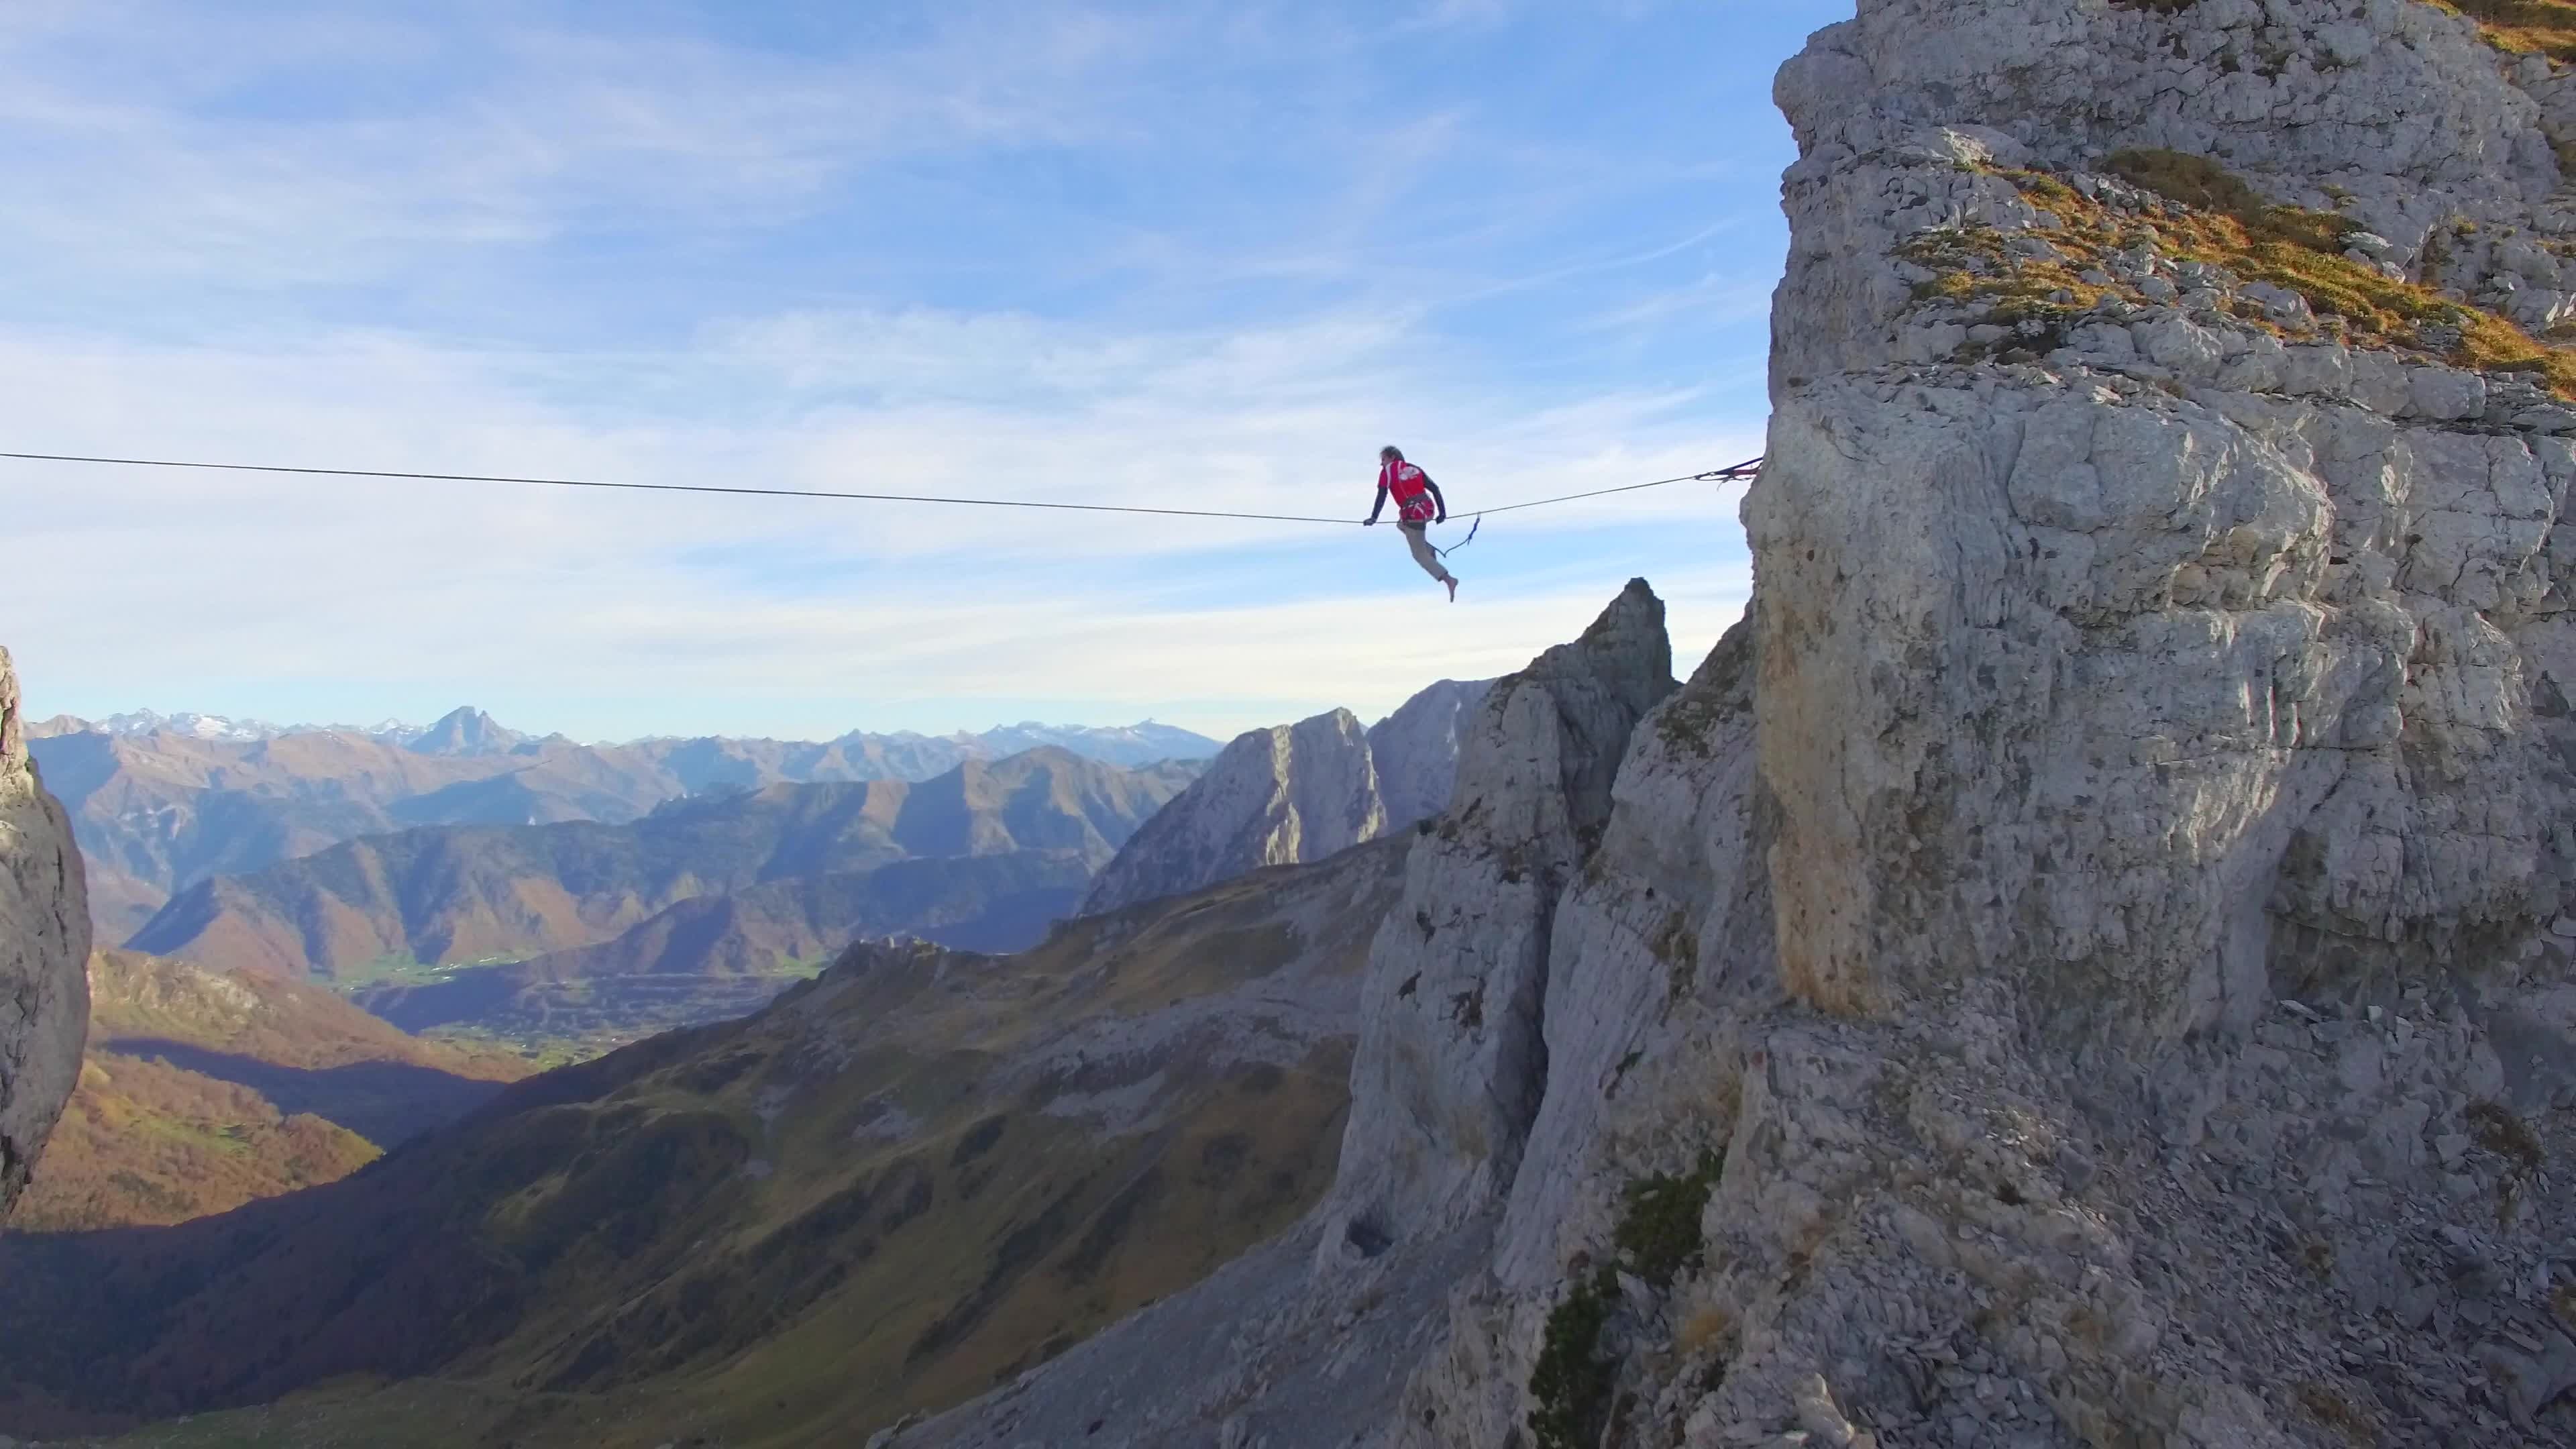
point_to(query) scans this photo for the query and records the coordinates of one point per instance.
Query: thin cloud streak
(1185, 255)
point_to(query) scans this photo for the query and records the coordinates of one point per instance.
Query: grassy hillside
(300, 1046)
(144, 1142)
(2522, 27)
(137, 999)
(461, 894)
(895, 1187)
(202, 1092)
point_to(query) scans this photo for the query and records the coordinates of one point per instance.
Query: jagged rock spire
(1451, 1063)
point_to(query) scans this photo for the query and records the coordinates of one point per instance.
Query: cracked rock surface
(44, 955)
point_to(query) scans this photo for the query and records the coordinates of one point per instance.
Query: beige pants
(1418, 537)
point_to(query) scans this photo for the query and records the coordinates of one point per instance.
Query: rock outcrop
(2089, 960)
(44, 955)
(1451, 1059)
(1296, 793)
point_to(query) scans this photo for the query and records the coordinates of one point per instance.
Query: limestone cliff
(2082, 966)
(2089, 960)
(1296, 793)
(44, 951)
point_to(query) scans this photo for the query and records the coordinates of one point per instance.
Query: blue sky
(1165, 254)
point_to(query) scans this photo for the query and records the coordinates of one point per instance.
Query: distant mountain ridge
(160, 802)
(468, 730)
(190, 724)
(450, 894)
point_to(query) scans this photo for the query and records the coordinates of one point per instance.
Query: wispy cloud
(514, 133)
(1190, 255)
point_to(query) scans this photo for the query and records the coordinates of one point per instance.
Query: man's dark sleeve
(1375, 508)
(1436, 498)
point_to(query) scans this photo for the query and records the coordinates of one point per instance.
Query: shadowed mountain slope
(147, 1142)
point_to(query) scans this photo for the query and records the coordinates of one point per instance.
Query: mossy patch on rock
(1659, 1233)
(2516, 27)
(1570, 1386)
(1689, 722)
(2044, 281)
(1676, 945)
(2521, 27)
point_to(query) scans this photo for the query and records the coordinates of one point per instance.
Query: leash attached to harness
(1462, 543)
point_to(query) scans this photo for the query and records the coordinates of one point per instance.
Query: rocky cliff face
(2088, 961)
(2151, 1027)
(1451, 1057)
(44, 952)
(1296, 793)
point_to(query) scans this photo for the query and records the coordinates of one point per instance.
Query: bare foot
(1453, 589)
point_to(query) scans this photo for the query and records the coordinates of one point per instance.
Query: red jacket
(1416, 499)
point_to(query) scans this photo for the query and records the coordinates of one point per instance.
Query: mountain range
(549, 934)
(467, 730)
(160, 803)
(713, 956)
(701, 907)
